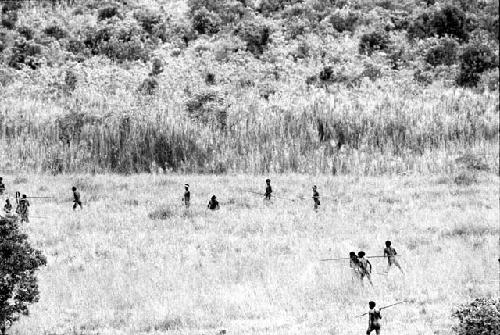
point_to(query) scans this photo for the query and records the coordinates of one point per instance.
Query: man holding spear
(374, 317)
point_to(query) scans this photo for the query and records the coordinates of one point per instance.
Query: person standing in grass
(354, 265)
(374, 318)
(76, 198)
(269, 190)
(365, 267)
(7, 207)
(213, 204)
(316, 198)
(391, 253)
(23, 209)
(2, 186)
(187, 196)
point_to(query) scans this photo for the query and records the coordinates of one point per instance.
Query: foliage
(445, 53)
(149, 86)
(475, 59)
(26, 32)
(208, 108)
(107, 13)
(374, 41)
(481, 316)
(25, 53)
(256, 34)
(344, 21)
(55, 31)
(148, 19)
(18, 282)
(450, 21)
(206, 22)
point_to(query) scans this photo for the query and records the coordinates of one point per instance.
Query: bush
(26, 32)
(206, 22)
(344, 21)
(256, 35)
(55, 32)
(269, 7)
(9, 19)
(444, 53)
(475, 60)
(124, 42)
(208, 108)
(450, 21)
(371, 42)
(156, 67)
(481, 316)
(70, 80)
(25, 53)
(420, 27)
(149, 86)
(326, 73)
(228, 11)
(18, 282)
(107, 13)
(148, 20)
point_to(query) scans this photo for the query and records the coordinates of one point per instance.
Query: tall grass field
(134, 261)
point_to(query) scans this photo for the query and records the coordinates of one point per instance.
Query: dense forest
(334, 86)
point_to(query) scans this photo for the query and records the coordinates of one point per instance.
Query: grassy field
(134, 262)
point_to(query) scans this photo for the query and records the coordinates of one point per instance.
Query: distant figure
(2, 186)
(23, 209)
(187, 196)
(213, 204)
(365, 267)
(373, 319)
(316, 198)
(391, 256)
(354, 265)
(269, 189)
(7, 207)
(76, 199)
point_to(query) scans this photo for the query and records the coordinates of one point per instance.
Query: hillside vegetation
(367, 87)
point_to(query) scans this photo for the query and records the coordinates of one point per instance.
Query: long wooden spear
(397, 303)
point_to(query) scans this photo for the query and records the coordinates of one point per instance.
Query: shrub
(25, 53)
(344, 22)
(371, 42)
(156, 67)
(148, 20)
(210, 78)
(481, 316)
(256, 35)
(228, 11)
(475, 60)
(466, 178)
(149, 86)
(326, 73)
(444, 53)
(450, 21)
(70, 80)
(26, 32)
(420, 27)
(472, 162)
(269, 7)
(107, 13)
(208, 108)
(56, 32)
(18, 282)
(206, 22)
(119, 43)
(9, 19)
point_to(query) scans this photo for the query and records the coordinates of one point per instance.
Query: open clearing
(134, 262)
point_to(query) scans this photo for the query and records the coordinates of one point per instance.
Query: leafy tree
(18, 283)
(373, 41)
(444, 53)
(475, 60)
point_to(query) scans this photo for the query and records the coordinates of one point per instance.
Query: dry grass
(251, 268)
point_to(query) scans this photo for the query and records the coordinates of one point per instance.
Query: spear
(397, 303)
(262, 194)
(345, 258)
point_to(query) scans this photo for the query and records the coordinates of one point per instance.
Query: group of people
(213, 204)
(360, 265)
(362, 268)
(23, 204)
(22, 207)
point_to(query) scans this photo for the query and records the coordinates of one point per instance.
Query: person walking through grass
(269, 190)
(374, 318)
(23, 209)
(355, 267)
(391, 253)
(365, 266)
(187, 196)
(316, 197)
(213, 204)
(76, 199)
(7, 208)
(2, 186)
